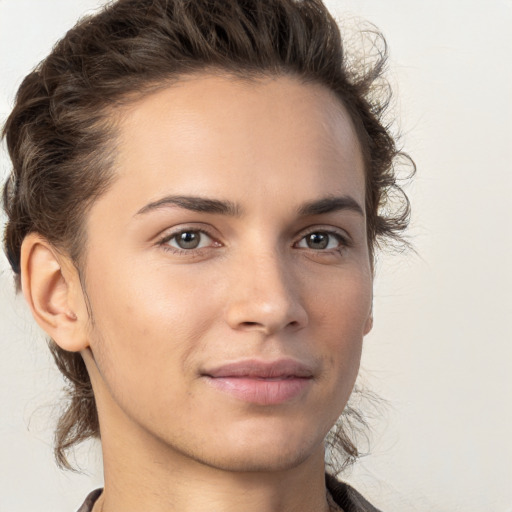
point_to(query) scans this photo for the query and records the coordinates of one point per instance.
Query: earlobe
(369, 321)
(50, 288)
(368, 325)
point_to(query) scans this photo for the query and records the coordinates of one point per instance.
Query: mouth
(261, 382)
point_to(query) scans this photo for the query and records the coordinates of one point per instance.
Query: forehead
(220, 135)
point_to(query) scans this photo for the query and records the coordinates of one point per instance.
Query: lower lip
(261, 391)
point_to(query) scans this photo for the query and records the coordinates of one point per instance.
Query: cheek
(146, 326)
(341, 315)
(344, 304)
(135, 299)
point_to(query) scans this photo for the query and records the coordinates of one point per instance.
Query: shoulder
(90, 501)
(347, 497)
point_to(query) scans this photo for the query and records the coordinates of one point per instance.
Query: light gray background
(441, 348)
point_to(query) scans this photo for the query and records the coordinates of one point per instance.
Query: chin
(248, 461)
(270, 451)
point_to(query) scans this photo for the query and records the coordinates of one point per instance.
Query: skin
(255, 288)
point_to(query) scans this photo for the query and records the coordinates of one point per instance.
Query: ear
(369, 321)
(52, 289)
(369, 324)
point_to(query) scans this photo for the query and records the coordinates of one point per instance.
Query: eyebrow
(219, 207)
(195, 204)
(330, 204)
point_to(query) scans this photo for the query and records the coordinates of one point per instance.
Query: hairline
(112, 114)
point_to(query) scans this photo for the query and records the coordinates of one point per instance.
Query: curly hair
(59, 134)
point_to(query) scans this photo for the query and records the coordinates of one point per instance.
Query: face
(227, 272)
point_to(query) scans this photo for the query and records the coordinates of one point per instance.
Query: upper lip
(257, 369)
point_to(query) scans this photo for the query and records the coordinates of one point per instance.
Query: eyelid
(340, 234)
(171, 233)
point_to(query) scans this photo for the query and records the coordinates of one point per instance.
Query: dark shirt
(347, 497)
(344, 495)
(90, 501)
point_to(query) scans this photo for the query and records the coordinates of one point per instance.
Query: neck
(158, 484)
(141, 474)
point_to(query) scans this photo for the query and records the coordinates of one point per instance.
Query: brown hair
(59, 137)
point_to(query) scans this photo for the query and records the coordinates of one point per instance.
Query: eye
(187, 240)
(321, 241)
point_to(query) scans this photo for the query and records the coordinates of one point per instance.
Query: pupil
(318, 241)
(188, 240)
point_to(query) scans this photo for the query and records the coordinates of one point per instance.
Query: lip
(261, 382)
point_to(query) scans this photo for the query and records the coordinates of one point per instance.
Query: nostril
(267, 316)
(249, 324)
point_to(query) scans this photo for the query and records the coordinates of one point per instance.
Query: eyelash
(343, 241)
(163, 242)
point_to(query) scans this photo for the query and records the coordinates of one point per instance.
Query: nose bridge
(264, 293)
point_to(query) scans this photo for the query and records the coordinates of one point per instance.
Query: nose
(264, 296)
